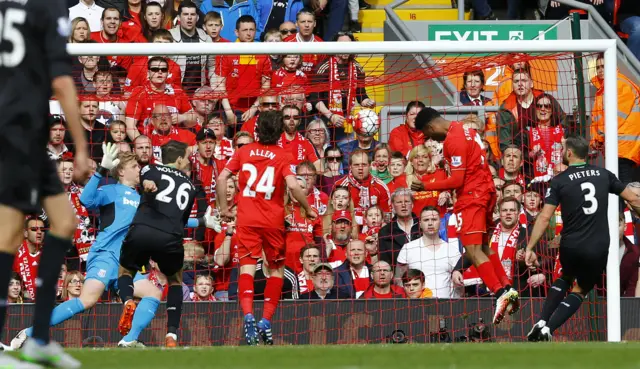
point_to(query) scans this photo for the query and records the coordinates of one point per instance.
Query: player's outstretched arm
(540, 227)
(221, 193)
(631, 195)
(92, 197)
(65, 92)
(298, 194)
(455, 181)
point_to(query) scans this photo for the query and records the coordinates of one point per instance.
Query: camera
(478, 332)
(397, 336)
(442, 335)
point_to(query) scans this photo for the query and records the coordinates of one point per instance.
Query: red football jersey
(177, 134)
(378, 194)
(123, 61)
(243, 78)
(261, 171)
(300, 148)
(26, 265)
(300, 231)
(250, 127)
(223, 272)
(283, 79)
(463, 150)
(309, 61)
(139, 74)
(131, 29)
(143, 100)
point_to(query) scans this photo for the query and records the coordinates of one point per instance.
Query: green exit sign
(490, 32)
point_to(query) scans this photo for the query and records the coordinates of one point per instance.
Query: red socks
(245, 293)
(488, 275)
(499, 269)
(272, 292)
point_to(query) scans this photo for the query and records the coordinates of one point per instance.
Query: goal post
(462, 48)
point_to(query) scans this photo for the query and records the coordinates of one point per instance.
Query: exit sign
(490, 32)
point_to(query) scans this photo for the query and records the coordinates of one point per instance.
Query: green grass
(411, 356)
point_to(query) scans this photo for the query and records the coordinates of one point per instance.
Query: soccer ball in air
(366, 122)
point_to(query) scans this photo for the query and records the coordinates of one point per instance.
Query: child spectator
(213, 26)
(203, 290)
(118, 135)
(380, 165)
(413, 282)
(397, 166)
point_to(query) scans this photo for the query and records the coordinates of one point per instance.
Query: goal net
(338, 99)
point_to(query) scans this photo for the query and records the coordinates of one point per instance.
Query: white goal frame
(431, 47)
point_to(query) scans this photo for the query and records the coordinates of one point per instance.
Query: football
(366, 122)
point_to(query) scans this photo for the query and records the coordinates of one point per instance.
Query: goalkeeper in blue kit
(117, 204)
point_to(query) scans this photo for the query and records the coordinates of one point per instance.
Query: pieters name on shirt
(584, 174)
(264, 153)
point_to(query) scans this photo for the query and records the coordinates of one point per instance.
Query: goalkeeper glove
(212, 221)
(110, 159)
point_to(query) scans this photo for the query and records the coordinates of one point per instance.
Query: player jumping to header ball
(263, 168)
(476, 197)
(582, 191)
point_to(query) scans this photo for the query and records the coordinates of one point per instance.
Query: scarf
(85, 233)
(320, 206)
(335, 88)
(385, 176)
(361, 281)
(208, 183)
(196, 297)
(365, 201)
(28, 273)
(471, 276)
(304, 284)
(519, 178)
(549, 139)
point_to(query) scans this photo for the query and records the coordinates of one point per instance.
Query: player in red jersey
(263, 168)
(476, 198)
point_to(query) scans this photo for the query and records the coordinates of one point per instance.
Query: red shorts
(252, 241)
(473, 220)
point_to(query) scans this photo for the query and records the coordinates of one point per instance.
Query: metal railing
(623, 50)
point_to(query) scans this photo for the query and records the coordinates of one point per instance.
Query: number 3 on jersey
(590, 198)
(265, 184)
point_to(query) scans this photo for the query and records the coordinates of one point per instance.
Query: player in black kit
(157, 230)
(582, 191)
(34, 65)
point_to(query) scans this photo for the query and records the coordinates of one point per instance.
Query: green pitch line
(455, 356)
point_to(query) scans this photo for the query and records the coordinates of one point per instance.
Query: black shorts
(143, 243)
(27, 175)
(584, 265)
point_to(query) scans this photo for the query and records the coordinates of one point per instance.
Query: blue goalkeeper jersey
(117, 204)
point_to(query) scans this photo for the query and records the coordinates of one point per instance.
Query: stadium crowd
(380, 234)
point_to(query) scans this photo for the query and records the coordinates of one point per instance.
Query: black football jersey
(33, 41)
(168, 208)
(582, 192)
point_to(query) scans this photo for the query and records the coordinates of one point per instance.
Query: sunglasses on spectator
(36, 229)
(286, 31)
(294, 117)
(334, 158)
(269, 104)
(546, 106)
(158, 69)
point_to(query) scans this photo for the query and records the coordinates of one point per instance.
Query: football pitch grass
(373, 356)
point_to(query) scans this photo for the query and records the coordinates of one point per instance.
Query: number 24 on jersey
(264, 185)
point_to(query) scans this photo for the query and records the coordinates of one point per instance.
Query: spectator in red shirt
(213, 26)
(204, 163)
(300, 148)
(289, 77)
(28, 256)
(162, 130)
(131, 21)
(157, 92)
(316, 198)
(309, 258)
(111, 22)
(397, 165)
(226, 250)
(138, 73)
(341, 234)
(203, 103)
(405, 137)
(224, 147)
(299, 231)
(239, 73)
(152, 19)
(512, 165)
(306, 22)
(382, 287)
(419, 171)
(366, 190)
(267, 103)
(143, 150)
